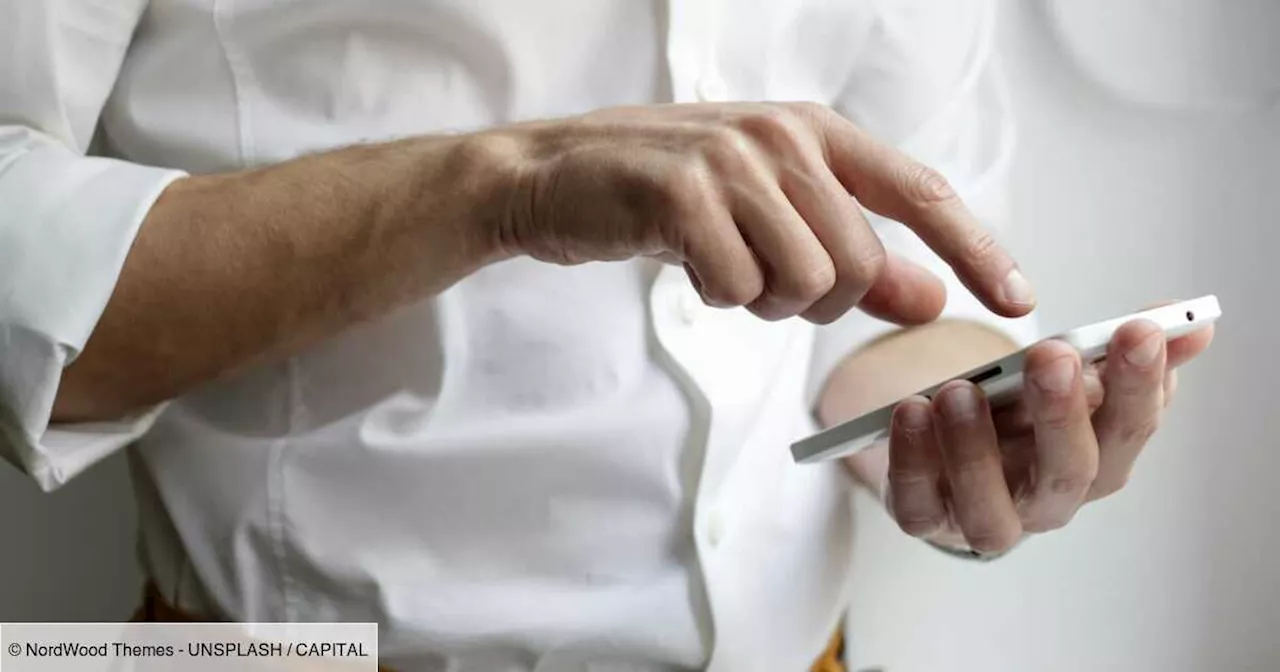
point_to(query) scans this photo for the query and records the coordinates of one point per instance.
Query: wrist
(454, 191)
(493, 169)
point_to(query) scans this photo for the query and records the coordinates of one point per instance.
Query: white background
(1123, 196)
(1149, 168)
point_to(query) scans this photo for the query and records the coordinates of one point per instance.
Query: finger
(980, 501)
(896, 186)
(1066, 450)
(915, 465)
(797, 268)
(1094, 391)
(1014, 418)
(1186, 348)
(1018, 453)
(856, 252)
(1131, 412)
(666, 258)
(906, 294)
(719, 263)
(1170, 386)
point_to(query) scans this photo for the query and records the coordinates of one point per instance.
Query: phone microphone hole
(1191, 317)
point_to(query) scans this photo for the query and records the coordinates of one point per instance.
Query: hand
(958, 474)
(754, 200)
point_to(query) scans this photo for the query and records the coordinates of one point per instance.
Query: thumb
(906, 294)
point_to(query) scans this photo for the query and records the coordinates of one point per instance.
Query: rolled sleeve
(66, 228)
(933, 88)
(67, 222)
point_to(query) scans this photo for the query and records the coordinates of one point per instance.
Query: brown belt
(156, 609)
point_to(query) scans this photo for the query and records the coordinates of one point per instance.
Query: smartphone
(1001, 380)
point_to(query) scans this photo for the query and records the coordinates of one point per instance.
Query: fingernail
(1017, 290)
(1057, 376)
(1146, 352)
(959, 404)
(914, 416)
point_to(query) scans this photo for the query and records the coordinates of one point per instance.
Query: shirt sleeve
(929, 83)
(66, 224)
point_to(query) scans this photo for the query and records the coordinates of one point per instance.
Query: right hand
(755, 201)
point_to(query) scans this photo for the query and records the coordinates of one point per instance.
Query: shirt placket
(692, 41)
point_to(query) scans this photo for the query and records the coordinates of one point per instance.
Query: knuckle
(1105, 487)
(815, 116)
(925, 186)
(1068, 484)
(773, 126)
(770, 310)
(686, 186)
(967, 468)
(905, 479)
(722, 135)
(1138, 433)
(725, 148)
(737, 293)
(1056, 421)
(918, 524)
(864, 269)
(993, 538)
(1054, 410)
(811, 109)
(982, 246)
(808, 283)
(766, 119)
(1048, 523)
(1134, 382)
(824, 313)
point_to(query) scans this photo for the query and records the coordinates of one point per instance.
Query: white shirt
(543, 468)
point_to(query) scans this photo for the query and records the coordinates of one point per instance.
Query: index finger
(896, 186)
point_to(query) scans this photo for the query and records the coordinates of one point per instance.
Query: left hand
(958, 474)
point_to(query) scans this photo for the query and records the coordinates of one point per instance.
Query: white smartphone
(1001, 380)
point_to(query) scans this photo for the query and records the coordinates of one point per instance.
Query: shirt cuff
(68, 225)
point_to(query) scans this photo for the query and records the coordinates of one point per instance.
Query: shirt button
(715, 529)
(687, 307)
(712, 89)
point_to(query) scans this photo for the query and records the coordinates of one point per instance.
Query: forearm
(235, 269)
(901, 364)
